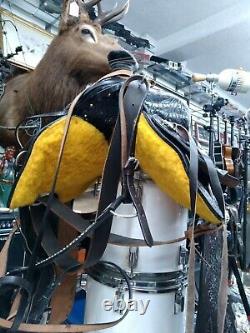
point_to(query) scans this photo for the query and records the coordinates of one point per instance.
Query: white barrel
(167, 221)
(159, 282)
(153, 313)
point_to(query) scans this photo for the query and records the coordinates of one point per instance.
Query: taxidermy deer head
(77, 56)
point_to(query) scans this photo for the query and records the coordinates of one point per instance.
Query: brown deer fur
(72, 61)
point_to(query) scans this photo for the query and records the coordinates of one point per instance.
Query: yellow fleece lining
(164, 166)
(83, 160)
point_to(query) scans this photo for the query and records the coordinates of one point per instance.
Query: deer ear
(71, 12)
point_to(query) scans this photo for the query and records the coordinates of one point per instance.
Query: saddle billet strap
(131, 163)
(130, 107)
(129, 172)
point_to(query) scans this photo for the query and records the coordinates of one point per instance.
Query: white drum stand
(158, 273)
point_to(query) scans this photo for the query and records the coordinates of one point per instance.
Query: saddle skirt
(86, 148)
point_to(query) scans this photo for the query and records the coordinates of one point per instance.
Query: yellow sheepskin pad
(164, 166)
(83, 160)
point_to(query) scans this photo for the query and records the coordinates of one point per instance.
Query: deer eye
(85, 31)
(88, 34)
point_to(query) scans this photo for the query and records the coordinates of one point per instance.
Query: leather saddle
(94, 116)
(90, 137)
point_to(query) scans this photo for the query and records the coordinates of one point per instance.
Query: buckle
(131, 165)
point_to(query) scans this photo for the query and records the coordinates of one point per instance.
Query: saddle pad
(164, 165)
(83, 160)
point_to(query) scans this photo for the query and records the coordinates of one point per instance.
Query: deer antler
(90, 4)
(110, 16)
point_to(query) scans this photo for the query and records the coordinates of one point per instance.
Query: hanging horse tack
(148, 140)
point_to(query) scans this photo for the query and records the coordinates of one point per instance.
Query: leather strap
(50, 242)
(53, 328)
(50, 114)
(193, 184)
(86, 232)
(234, 267)
(25, 289)
(110, 181)
(15, 281)
(11, 281)
(70, 328)
(80, 224)
(63, 298)
(14, 307)
(130, 106)
(214, 182)
(223, 287)
(4, 252)
(215, 319)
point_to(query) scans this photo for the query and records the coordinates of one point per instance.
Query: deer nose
(122, 59)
